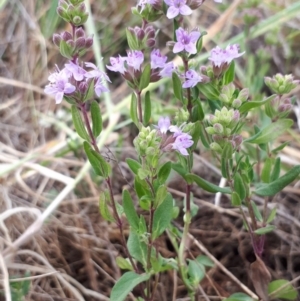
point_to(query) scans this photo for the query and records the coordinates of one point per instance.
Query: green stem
(139, 103)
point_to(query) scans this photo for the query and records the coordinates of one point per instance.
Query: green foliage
(276, 186)
(126, 284)
(147, 109)
(281, 289)
(137, 248)
(164, 172)
(239, 297)
(104, 201)
(145, 78)
(228, 77)
(162, 217)
(130, 211)
(78, 124)
(271, 132)
(133, 165)
(96, 119)
(133, 110)
(177, 87)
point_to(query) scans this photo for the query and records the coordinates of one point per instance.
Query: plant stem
(108, 182)
(139, 103)
(189, 105)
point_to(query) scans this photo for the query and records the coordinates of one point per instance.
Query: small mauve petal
(178, 47)
(169, 2)
(187, 84)
(69, 88)
(172, 12)
(194, 35)
(185, 10)
(59, 97)
(183, 151)
(190, 48)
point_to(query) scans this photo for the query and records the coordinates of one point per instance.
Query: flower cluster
(221, 58)
(74, 80)
(131, 66)
(281, 84)
(222, 130)
(183, 7)
(179, 140)
(230, 97)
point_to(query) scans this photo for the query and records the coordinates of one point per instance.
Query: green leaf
(196, 272)
(272, 215)
(256, 212)
(164, 172)
(133, 165)
(265, 230)
(287, 292)
(177, 86)
(133, 110)
(276, 170)
(162, 217)
(78, 123)
(179, 169)
(247, 106)
(130, 211)
(238, 297)
(235, 199)
(229, 74)
(239, 186)
(207, 186)
(271, 132)
(65, 49)
(197, 112)
(90, 91)
(123, 264)
(205, 261)
(100, 166)
(145, 78)
(137, 248)
(103, 206)
(280, 147)
(126, 284)
(195, 135)
(160, 195)
(96, 119)
(204, 137)
(147, 109)
(278, 185)
(266, 171)
(132, 40)
(208, 90)
(227, 151)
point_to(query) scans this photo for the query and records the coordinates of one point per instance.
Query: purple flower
(135, 59)
(96, 72)
(192, 79)
(182, 142)
(177, 7)
(157, 59)
(186, 41)
(117, 64)
(99, 87)
(220, 56)
(59, 85)
(163, 124)
(167, 70)
(143, 3)
(218, 1)
(75, 70)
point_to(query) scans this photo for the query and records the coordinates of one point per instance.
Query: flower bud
(218, 128)
(203, 70)
(66, 36)
(82, 8)
(244, 95)
(80, 43)
(236, 116)
(150, 43)
(56, 39)
(89, 42)
(236, 103)
(76, 20)
(210, 130)
(150, 32)
(140, 34)
(194, 4)
(83, 87)
(61, 12)
(216, 147)
(71, 43)
(79, 32)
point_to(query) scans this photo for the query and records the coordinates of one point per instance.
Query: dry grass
(49, 219)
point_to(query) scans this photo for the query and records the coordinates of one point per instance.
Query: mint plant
(212, 114)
